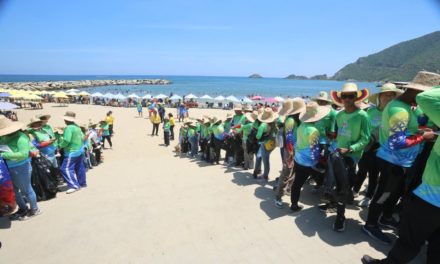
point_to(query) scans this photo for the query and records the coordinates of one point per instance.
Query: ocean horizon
(200, 85)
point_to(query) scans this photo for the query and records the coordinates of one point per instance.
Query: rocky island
(64, 85)
(255, 76)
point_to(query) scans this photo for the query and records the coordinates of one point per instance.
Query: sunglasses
(348, 96)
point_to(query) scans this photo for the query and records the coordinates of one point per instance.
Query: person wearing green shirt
(193, 139)
(48, 128)
(72, 168)
(204, 139)
(352, 137)
(166, 130)
(218, 137)
(266, 137)
(19, 165)
(291, 110)
(236, 147)
(43, 141)
(368, 162)
(421, 221)
(105, 133)
(245, 130)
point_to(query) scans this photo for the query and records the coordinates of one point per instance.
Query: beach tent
(160, 96)
(206, 97)
(6, 106)
(97, 95)
(147, 96)
(191, 96)
(176, 97)
(119, 96)
(219, 98)
(246, 100)
(72, 91)
(5, 94)
(133, 96)
(84, 93)
(232, 99)
(257, 97)
(109, 96)
(279, 99)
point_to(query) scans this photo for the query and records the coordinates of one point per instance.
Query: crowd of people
(38, 160)
(335, 142)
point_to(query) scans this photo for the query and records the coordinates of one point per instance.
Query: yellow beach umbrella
(32, 97)
(84, 93)
(60, 95)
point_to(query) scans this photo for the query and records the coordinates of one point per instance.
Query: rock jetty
(65, 85)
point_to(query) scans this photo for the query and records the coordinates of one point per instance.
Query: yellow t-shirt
(155, 118)
(172, 122)
(109, 120)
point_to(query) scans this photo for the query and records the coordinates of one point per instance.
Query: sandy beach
(145, 205)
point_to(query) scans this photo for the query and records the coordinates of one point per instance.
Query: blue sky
(203, 37)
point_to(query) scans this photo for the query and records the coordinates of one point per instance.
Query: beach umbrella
(119, 96)
(219, 98)
(147, 96)
(207, 97)
(270, 100)
(160, 96)
(7, 106)
(279, 99)
(109, 96)
(84, 93)
(257, 97)
(60, 95)
(72, 91)
(246, 100)
(191, 96)
(133, 96)
(176, 97)
(97, 94)
(32, 97)
(5, 94)
(17, 96)
(232, 99)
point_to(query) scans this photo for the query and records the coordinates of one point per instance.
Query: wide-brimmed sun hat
(322, 96)
(215, 120)
(247, 108)
(229, 116)
(207, 121)
(268, 115)
(238, 107)
(251, 116)
(44, 116)
(70, 116)
(349, 88)
(292, 106)
(8, 127)
(423, 81)
(314, 112)
(34, 121)
(387, 87)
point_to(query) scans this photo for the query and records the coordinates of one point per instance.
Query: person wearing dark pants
(217, 138)
(172, 124)
(105, 128)
(307, 152)
(155, 120)
(367, 165)
(166, 131)
(353, 136)
(110, 119)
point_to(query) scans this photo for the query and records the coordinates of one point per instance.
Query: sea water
(200, 85)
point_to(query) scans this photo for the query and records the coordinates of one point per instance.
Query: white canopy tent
(147, 96)
(120, 97)
(133, 96)
(109, 96)
(246, 100)
(97, 95)
(191, 96)
(219, 98)
(206, 97)
(161, 96)
(232, 99)
(176, 97)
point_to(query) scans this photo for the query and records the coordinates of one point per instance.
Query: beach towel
(7, 195)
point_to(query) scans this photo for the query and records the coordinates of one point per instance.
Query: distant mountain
(256, 76)
(301, 77)
(400, 62)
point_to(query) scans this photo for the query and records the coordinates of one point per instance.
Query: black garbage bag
(252, 142)
(44, 178)
(337, 187)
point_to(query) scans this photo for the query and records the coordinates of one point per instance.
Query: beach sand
(145, 205)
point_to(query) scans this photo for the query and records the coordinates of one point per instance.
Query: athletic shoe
(279, 203)
(389, 223)
(31, 214)
(364, 202)
(355, 194)
(339, 225)
(19, 214)
(296, 207)
(375, 233)
(327, 208)
(369, 260)
(72, 190)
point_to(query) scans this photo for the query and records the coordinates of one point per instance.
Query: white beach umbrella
(279, 99)
(97, 95)
(191, 96)
(147, 96)
(206, 97)
(246, 100)
(232, 98)
(72, 91)
(7, 106)
(219, 98)
(176, 97)
(120, 97)
(160, 96)
(133, 96)
(109, 96)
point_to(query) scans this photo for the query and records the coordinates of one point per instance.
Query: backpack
(44, 178)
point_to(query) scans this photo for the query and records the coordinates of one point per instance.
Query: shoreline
(65, 85)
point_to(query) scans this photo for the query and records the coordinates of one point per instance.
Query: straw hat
(215, 121)
(292, 106)
(229, 116)
(199, 120)
(248, 108)
(251, 116)
(8, 127)
(34, 120)
(44, 117)
(70, 116)
(424, 81)
(349, 88)
(84, 126)
(207, 121)
(314, 112)
(268, 115)
(387, 87)
(92, 124)
(238, 107)
(323, 96)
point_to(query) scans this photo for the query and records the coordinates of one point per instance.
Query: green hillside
(400, 62)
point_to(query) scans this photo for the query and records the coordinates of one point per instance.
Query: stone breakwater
(65, 85)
